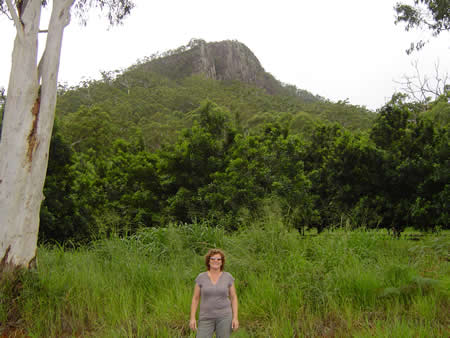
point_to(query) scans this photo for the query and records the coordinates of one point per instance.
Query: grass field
(340, 283)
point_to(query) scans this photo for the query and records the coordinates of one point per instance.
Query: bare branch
(421, 88)
(441, 80)
(76, 142)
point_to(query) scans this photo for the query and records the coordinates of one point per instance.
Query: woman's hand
(193, 324)
(235, 324)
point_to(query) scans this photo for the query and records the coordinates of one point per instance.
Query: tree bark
(26, 131)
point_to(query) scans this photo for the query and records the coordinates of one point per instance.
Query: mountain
(224, 61)
(160, 95)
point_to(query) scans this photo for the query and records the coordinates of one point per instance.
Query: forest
(139, 149)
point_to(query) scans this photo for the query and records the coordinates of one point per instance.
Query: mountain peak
(228, 60)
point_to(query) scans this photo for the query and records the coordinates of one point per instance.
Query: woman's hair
(213, 252)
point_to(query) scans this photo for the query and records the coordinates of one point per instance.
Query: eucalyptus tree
(29, 116)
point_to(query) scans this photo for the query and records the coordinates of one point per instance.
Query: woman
(219, 304)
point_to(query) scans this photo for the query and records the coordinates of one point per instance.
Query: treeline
(392, 175)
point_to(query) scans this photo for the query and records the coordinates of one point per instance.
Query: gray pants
(222, 327)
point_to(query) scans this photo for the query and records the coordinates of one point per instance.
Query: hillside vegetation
(391, 176)
(142, 148)
(157, 95)
(146, 146)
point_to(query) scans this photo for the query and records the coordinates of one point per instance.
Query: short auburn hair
(213, 252)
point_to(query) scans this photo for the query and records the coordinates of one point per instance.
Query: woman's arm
(194, 305)
(234, 307)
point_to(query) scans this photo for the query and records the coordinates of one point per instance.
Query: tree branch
(40, 65)
(5, 13)
(15, 18)
(422, 88)
(76, 142)
(64, 6)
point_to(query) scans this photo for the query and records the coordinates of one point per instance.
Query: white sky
(336, 49)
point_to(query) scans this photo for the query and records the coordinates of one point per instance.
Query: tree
(431, 14)
(414, 173)
(58, 219)
(190, 164)
(28, 118)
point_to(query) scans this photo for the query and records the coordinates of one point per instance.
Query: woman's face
(215, 262)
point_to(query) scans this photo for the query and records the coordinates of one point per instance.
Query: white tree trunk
(26, 131)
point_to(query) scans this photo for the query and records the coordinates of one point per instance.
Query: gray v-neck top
(214, 298)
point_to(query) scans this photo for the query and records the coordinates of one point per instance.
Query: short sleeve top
(215, 298)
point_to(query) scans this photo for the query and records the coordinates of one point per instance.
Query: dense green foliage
(342, 283)
(118, 164)
(144, 147)
(160, 106)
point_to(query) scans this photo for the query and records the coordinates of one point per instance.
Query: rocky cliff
(225, 60)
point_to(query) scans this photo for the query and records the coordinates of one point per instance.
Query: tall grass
(340, 283)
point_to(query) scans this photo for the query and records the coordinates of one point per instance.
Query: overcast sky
(336, 49)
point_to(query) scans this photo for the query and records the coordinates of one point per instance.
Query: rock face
(225, 60)
(228, 60)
